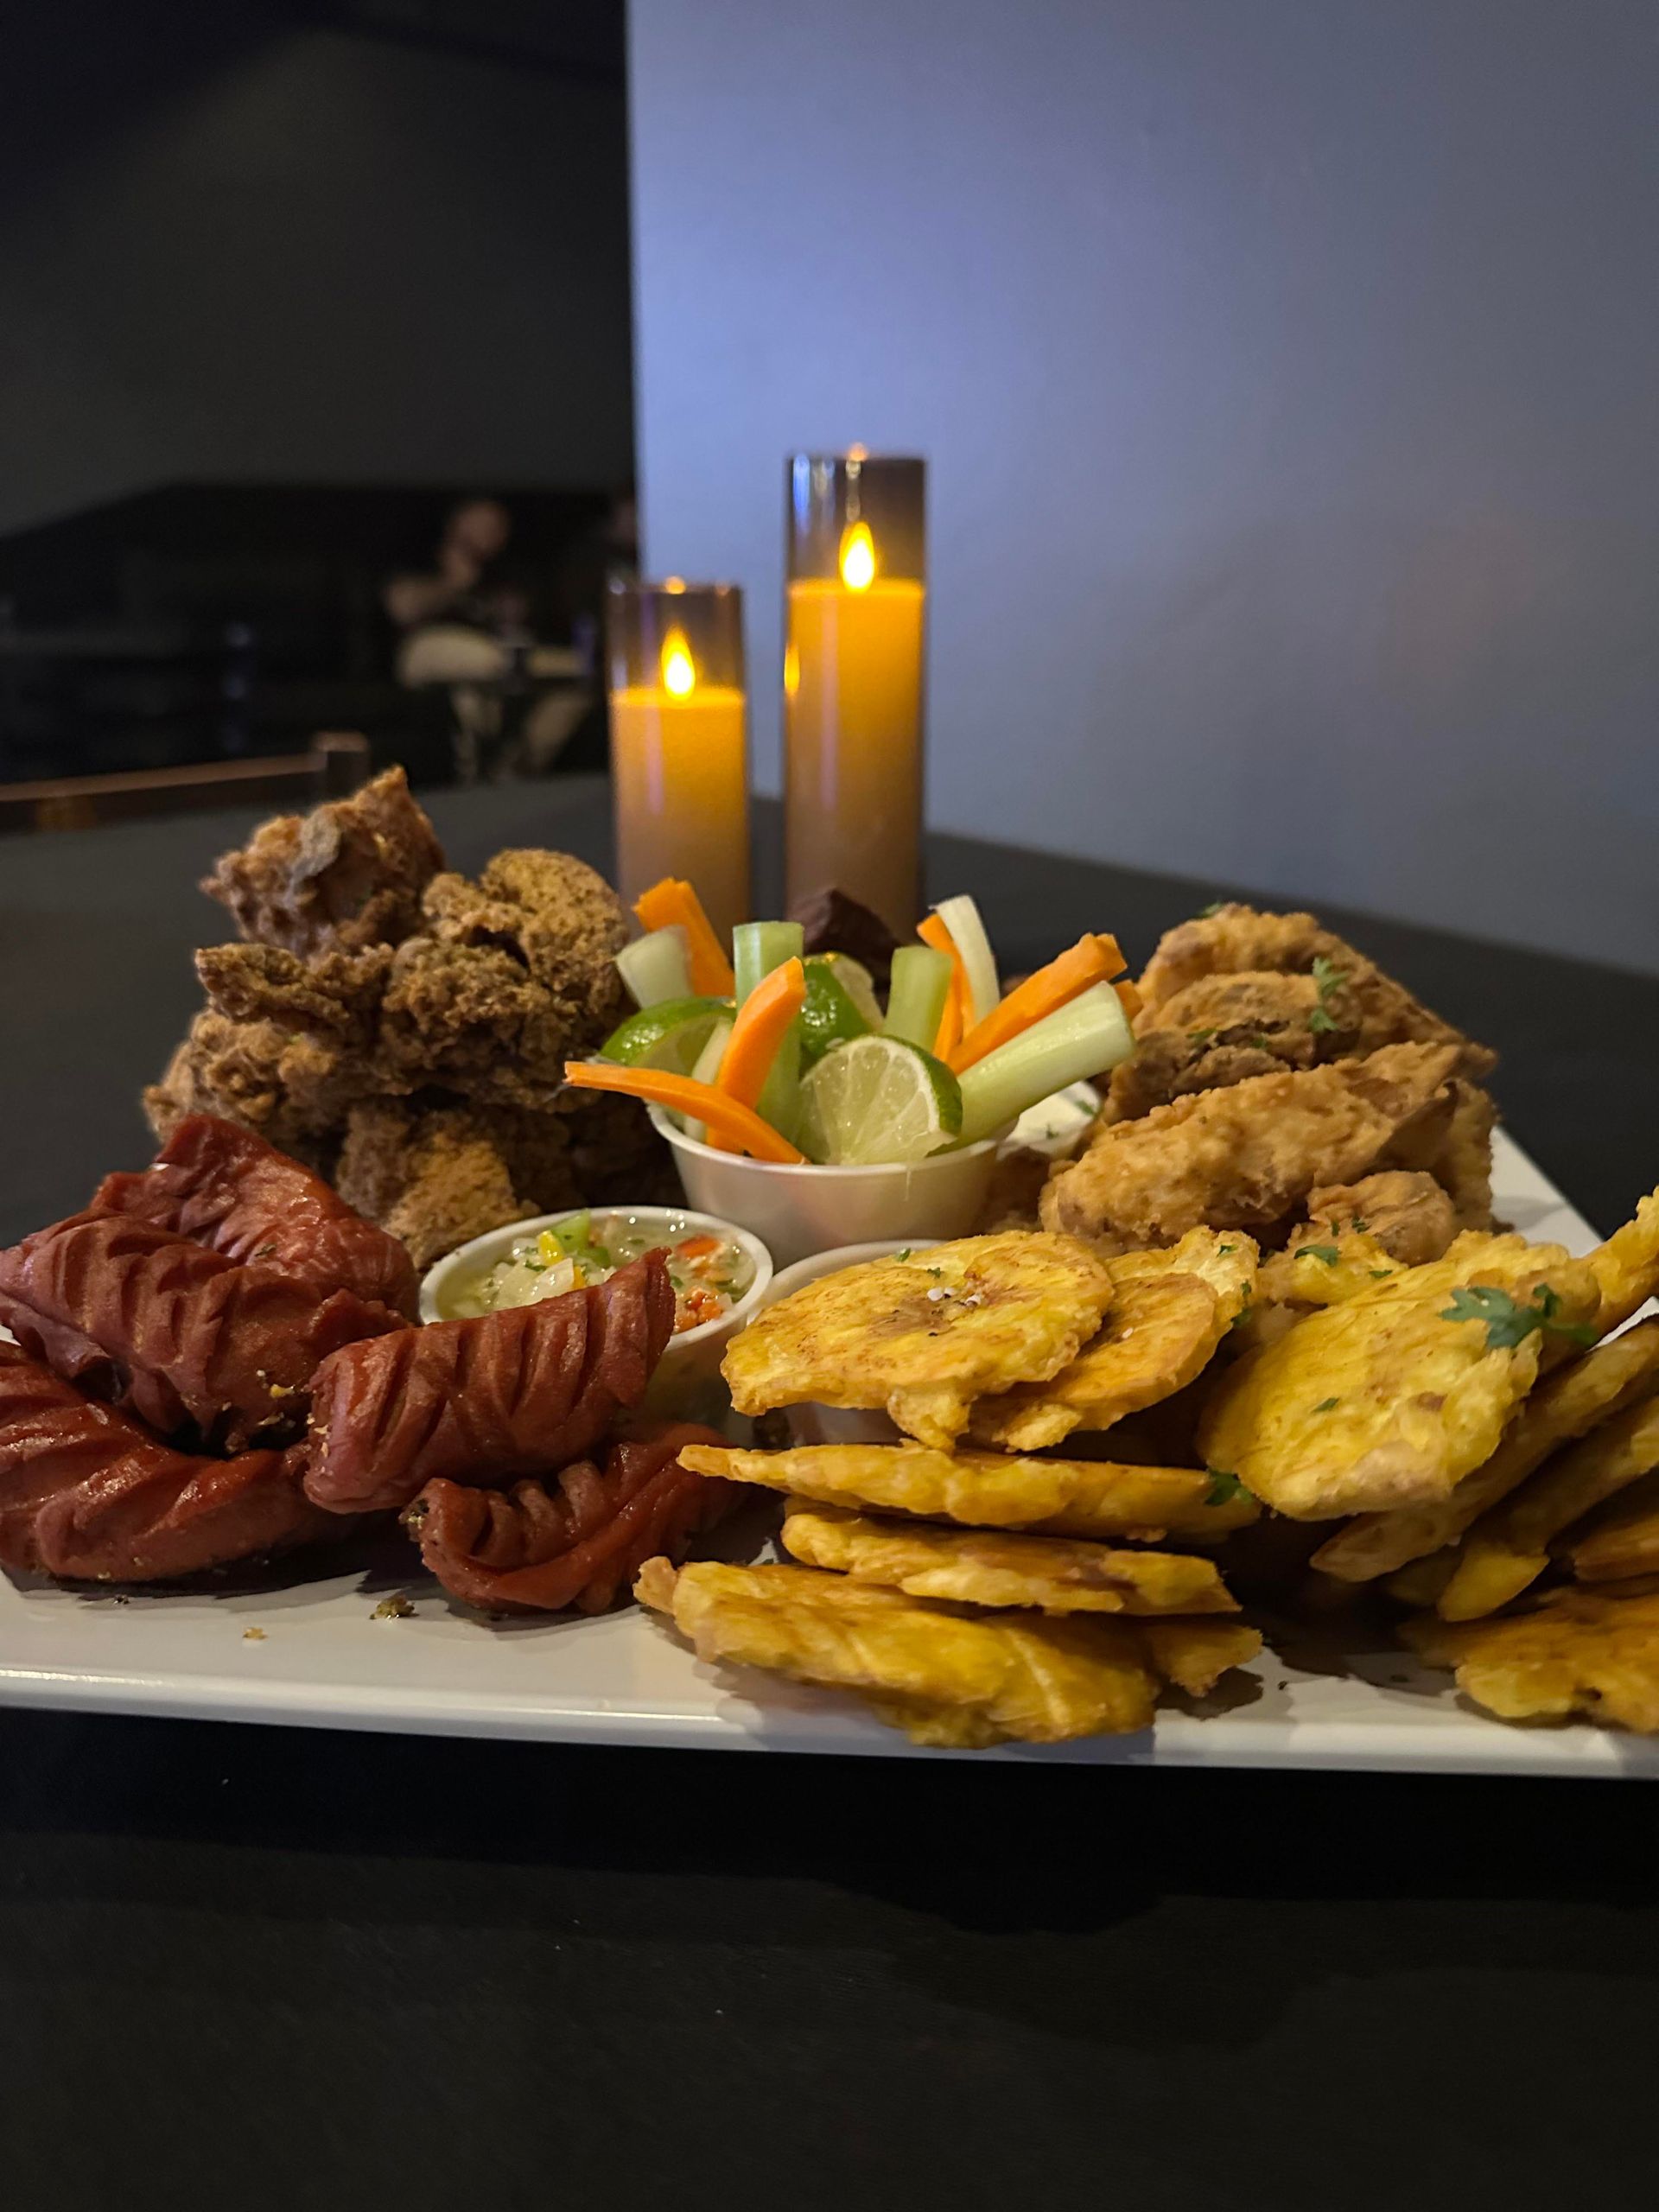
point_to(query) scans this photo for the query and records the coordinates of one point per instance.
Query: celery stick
(780, 1102)
(1084, 1039)
(707, 1069)
(759, 947)
(657, 967)
(960, 917)
(921, 978)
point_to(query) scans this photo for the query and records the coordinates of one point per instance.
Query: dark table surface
(249, 1968)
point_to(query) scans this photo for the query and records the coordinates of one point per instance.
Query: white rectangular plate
(313, 1654)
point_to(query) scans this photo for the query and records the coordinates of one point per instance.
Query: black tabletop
(249, 1968)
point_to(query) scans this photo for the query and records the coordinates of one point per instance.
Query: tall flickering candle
(679, 748)
(855, 604)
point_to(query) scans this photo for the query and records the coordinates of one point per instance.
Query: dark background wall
(383, 241)
(1289, 373)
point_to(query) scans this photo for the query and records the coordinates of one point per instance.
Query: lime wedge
(669, 1036)
(832, 1015)
(856, 981)
(876, 1099)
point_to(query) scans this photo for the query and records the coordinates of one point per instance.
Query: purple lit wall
(1289, 373)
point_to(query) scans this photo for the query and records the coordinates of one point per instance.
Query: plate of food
(1175, 1372)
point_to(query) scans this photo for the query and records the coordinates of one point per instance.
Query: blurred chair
(336, 763)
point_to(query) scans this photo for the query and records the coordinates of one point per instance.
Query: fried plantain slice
(1015, 1677)
(981, 1567)
(1589, 1651)
(1392, 1397)
(1626, 1265)
(986, 1489)
(1566, 1405)
(1195, 1654)
(1623, 1542)
(1507, 1552)
(925, 1335)
(1170, 1310)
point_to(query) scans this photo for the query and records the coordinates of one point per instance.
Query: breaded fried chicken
(343, 876)
(1225, 1028)
(338, 995)
(1409, 1215)
(1237, 940)
(1247, 1156)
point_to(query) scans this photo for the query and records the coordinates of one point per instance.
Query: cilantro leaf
(1328, 1252)
(1326, 1404)
(1508, 1323)
(903, 1253)
(1319, 1020)
(1208, 913)
(1200, 1036)
(1224, 1489)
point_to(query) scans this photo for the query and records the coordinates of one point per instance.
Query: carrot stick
(673, 900)
(1090, 960)
(1130, 999)
(958, 998)
(762, 1021)
(699, 1100)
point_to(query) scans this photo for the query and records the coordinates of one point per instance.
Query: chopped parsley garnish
(1200, 1036)
(1358, 1226)
(1510, 1324)
(1224, 1489)
(1379, 1274)
(903, 1253)
(1328, 1252)
(1243, 1313)
(1261, 1041)
(1208, 913)
(1223, 1249)
(1326, 1405)
(1329, 978)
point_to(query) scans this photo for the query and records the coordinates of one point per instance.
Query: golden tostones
(986, 1489)
(924, 1335)
(1623, 1542)
(1589, 1651)
(1010, 1676)
(1195, 1654)
(1565, 1404)
(1392, 1397)
(1627, 1266)
(1507, 1552)
(1170, 1309)
(982, 1566)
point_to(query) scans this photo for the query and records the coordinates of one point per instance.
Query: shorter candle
(679, 755)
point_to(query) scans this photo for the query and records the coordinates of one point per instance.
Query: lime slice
(669, 1036)
(832, 1015)
(856, 981)
(877, 1099)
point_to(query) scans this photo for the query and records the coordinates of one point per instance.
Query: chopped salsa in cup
(709, 1273)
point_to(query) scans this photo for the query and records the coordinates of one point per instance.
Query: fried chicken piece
(1246, 1157)
(1237, 940)
(1222, 1029)
(1408, 1214)
(994, 1567)
(1581, 1651)
(469, 1018)
(575, 1540)
(345, 875)
(336, 996)
(989, 1490)
(924, 1335)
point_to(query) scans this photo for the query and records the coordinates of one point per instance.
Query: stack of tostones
(977, 1595)
(1482, 1425)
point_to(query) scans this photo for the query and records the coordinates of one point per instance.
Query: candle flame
(857, 556)
(679, 669)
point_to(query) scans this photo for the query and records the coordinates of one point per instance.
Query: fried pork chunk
(343, 876)
(1248, 1156)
